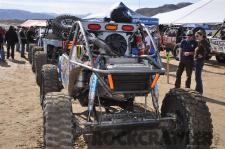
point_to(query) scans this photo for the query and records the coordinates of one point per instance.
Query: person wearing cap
(200, 54)
(187, 52)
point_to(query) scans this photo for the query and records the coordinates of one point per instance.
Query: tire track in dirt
(20, 111)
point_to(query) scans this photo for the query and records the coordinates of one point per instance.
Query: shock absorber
(155, 93)
(92, 93)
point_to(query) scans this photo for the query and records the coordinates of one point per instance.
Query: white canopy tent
(29, 23)
(204, 11)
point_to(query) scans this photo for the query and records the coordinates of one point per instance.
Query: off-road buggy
(51, 43)
(105, 70)
(217, 42)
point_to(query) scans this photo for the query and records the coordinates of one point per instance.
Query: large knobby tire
(62, 24)
(49, 81)
(220, 58)
(58, 122)
(33, 51)
(118, 43)
(29, 52)
(194, 124)
(40, 60)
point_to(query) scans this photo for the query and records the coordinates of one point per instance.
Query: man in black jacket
(11, 39)
(186, 59)
(30, 36)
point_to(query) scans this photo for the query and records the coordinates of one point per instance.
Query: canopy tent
(136, 16)
(204, 11)
(30, 23)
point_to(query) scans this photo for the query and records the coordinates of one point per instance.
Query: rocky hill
(10, 14)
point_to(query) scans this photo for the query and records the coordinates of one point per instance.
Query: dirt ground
(21, 114)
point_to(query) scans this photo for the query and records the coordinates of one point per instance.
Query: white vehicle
(105, 73)
(217, 42)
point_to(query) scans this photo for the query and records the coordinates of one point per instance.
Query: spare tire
(121, 15)
(117, 43)
(62, 24)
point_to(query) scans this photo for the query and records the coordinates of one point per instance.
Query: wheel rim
(117, 43)
(67, 23)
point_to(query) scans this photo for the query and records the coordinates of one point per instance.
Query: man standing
(186, 59)
(23, 39)
(11, 39)
(30, 36)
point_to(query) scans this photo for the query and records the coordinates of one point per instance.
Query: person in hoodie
(23, 38)
(11, 39)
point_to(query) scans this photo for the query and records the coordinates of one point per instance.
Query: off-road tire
(33, 51)
(40, 60)
(59, 28)
(191, 111)
(220, 59)
(29, 52)
(49, 81)
(58, 122)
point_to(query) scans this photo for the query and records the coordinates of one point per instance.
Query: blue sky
(79, 6)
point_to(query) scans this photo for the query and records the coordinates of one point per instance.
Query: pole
(168, 67)
(139, 4)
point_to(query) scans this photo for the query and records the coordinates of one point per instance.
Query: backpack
(2, 55)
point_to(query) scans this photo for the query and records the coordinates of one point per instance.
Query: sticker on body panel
(64, 65)
(92, 91)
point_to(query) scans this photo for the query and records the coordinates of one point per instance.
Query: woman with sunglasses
(200, 53)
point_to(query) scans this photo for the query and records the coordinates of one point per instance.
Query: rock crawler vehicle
(217, 42)
(51, 43)
(104, 72)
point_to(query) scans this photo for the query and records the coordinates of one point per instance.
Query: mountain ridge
(161, 9)
(16, 14)
(11, 14)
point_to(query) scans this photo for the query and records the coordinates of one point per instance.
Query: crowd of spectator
(18, 38)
